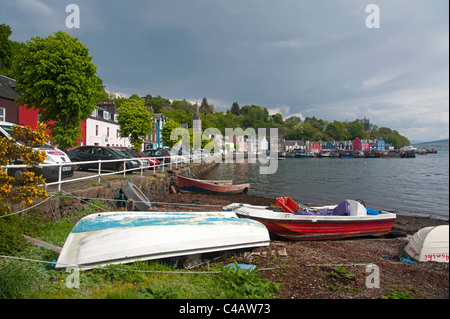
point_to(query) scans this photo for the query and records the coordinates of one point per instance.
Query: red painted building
(10, 111)
(8, 94)
(315, 147)
(359, 145)
(101, 128)
(30, 117)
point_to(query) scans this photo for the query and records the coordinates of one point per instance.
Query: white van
(54, 156)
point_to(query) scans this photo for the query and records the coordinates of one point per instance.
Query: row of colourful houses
(321, 146)
(100, 128)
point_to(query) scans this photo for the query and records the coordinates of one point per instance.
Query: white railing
(176, 161)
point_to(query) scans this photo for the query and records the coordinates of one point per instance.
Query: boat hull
(301, 227)
(197, 186)
(430, 244)
(123, 237)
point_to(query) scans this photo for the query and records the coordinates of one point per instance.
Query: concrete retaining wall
(154, 187)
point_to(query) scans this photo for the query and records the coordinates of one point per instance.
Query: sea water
(418, 186)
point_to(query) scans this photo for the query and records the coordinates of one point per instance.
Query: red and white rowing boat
(210, 186)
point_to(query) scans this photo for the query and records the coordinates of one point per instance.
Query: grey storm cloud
(308, 58)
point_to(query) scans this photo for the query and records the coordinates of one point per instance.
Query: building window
(2, 114)
(96, 130)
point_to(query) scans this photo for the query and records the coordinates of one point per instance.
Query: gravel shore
(334, 269)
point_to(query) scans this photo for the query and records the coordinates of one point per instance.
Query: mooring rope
(133, 270)
(24, 210)
(136, 201)
(86, 200)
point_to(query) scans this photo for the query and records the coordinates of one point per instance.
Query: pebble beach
(334, 269)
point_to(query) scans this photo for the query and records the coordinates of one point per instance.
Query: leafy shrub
(164, 291)
(246, 283)
(394, 294)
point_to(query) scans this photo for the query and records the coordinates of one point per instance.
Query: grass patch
(140, 280)
(399, 294)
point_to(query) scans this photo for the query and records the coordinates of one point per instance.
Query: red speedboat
(348, 219)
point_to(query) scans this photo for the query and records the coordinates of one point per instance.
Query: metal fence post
(99, 170)
(59, 177)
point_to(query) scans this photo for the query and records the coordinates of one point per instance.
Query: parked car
(160, 154)
(95, 153)
(142, 163)
(54, 156)
(152, 162)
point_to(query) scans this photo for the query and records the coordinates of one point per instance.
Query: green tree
(254, 116)
(9, 51)
(179, 116)
(355, 129)
(235, 108)
(336, 131)
(135, 121)
(56, 76)
(397, 140)
(206, 108)
(5, 47)
(278, 118)
(157, 103)
(183, 105)
(134, 97)
(169, 126)
(211, 120)
(384, 132)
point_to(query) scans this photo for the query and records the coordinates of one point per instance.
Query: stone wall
(153, 186)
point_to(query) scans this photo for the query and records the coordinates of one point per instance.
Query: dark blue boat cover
(343, 209)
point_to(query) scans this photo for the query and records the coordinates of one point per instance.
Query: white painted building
(101, 128)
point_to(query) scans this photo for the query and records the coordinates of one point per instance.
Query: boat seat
(356, 208)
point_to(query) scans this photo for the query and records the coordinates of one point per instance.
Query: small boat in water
(210, 186)
(327, 155)
(346, 155)
(348, 219)
(429, 244)
(101, 239)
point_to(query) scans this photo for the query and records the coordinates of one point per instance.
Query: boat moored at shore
(348, 219)
(210, 186)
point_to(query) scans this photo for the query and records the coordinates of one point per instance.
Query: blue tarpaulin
(372, 212)
(242, 266)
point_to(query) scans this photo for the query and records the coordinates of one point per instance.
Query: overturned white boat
(429, 244)
(122, 237)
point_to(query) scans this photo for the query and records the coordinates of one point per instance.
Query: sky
(332, 59)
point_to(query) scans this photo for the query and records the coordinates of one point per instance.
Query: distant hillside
(441, 145)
